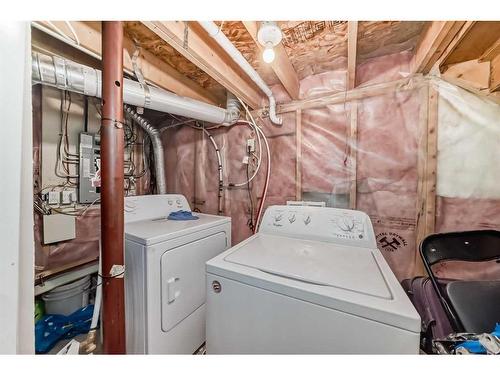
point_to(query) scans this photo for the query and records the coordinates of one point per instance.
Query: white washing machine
(165, 273)
(311, 281)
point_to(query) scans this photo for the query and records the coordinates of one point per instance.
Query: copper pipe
(112, 191)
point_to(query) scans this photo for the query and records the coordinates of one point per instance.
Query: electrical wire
(79, 213)
(268, 168)
(60, 32)
(249, 187)
(220, 167)
(73, 32)
(253, 126)
(266, 183)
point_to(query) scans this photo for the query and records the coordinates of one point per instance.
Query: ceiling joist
(155, 71)
(433, 43)
(198, 47)
(475, 39)
(408, 83)
(281, 65)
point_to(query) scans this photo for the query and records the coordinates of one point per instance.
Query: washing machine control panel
(348, 227)
(144, 207)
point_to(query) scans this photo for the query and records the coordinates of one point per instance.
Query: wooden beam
(408, 83)
(492, 52)
(472, 73)
(44, 43)
(454, 43)
(281, 65)
(495, 74)
(435, 39)
(421, 163)
(475, 39)
(352, 41)
(426, 169)
(298, 163)
(353, 147)
(201, 50)
(431, 166)
(155, 70)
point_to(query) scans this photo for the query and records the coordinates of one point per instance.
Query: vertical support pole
(353, 144)
(426, 169)
(112, 192)
(352, 43)
(298, 161)
(431, 179)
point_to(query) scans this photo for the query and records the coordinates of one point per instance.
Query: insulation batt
(386, 172)
(387, 153)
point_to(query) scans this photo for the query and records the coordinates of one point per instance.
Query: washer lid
(315, 262)
(354, 280)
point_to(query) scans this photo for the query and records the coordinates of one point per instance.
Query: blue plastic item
(182, 215)
(474, 346)
(52, 328)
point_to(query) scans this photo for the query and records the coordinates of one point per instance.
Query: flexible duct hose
(154, 135)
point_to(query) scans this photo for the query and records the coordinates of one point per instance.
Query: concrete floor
(78, 338)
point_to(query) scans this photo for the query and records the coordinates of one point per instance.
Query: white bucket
(66, 299)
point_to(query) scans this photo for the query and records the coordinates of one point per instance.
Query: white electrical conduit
(266, 183)
(219, 162)
(214, 31)
(69, 75)
(268, 169)
(259, 159)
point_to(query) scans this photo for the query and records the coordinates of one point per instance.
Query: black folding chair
(472, 306)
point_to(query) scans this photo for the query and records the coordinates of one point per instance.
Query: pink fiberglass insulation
(464, 214)
(386, 159)
(387, 174)
(82, 249)
(386, 154)
(384, 69)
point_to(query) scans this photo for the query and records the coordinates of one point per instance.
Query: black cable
(104, 278)
(85, 114)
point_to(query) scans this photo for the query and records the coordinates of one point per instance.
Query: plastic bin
(66, 299)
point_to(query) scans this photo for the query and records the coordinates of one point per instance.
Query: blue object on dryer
(182, 215)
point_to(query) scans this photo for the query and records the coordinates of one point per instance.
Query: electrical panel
(89, 185)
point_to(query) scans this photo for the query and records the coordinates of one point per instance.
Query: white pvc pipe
(69, 75)
(214, 31)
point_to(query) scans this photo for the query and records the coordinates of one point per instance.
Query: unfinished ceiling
(312, 46)
(320, 46)
(148, 40)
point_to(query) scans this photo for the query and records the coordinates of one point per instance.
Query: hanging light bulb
(268, 55)
(269, 36)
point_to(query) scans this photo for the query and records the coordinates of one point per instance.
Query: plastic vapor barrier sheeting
(381, 162)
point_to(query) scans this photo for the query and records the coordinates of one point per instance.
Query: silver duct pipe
(214, 31)
(71, 76)
(154, 135)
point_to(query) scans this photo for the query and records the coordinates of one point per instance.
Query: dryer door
(183, 277)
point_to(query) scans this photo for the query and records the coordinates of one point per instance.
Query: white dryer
(165, 273)
(311, 281)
